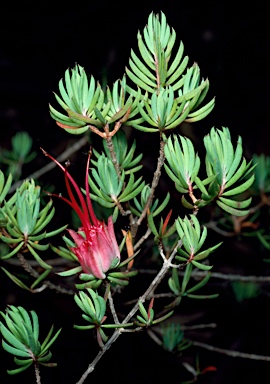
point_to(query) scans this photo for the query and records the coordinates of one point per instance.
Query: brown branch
(223, 351)
(142, 239)
(217, 275)
(166, 265)
(48, 167)
(46, 283)
(113, 311)
(155, 181)
(112, 150)
(231, 353)
(37, 374)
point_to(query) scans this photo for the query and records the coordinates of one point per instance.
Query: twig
(198, 326)
(48, 167)
(166, 265)
(217, 275)
(154, 337)
(26, 266)
(46, 283)
(142, 239)
(158, 329)
(37, 374)
(110, 146)
(231, 277)
(213, 225)
(231, 353)
(227, 352)
(114, 314)
(155, 181)
(53, 262)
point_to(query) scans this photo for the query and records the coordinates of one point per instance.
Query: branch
(155, 181)
(46, 283)
(227, 352)
(37, 374)
(166, 265)
(231, 353)
(112, 152)
(48, 167)
(217, 275)
(142, 239)
(111, 303)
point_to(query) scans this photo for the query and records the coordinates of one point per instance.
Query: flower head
(96, 246)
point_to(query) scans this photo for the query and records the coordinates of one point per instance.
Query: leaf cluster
(21, 338)
(25, 221)
(193, 237)
(173, 93)
(21, 153)
(228, 173)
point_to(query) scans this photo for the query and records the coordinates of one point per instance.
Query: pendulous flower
(96, 246)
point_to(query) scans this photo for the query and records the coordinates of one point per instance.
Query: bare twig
(166, 265)
(223, 351)
(231, 353)
(46, 283)
(114, 314)
(37, 374)
(53, 262)
(26, 266)
(155, 181)
(48, 167)
(217, 275)
(113, 154)
(142, 239)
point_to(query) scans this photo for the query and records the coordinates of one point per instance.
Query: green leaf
(70, 272)
(232, 211)
(199, 285)
(241, 188)
(151, 224)
(15, 280)
(46, 344)
(186, 278)
(38, 259)
(235, 203)
(18, 370)
(201, 266)
(143, 310)
(22, 352)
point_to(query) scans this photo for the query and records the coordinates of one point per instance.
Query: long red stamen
(77, 189)
(89, 204)
(83, 215)
(79, 213)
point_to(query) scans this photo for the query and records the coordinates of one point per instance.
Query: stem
(46, 283)
(166, 265)
(116, 165)
(111, 303)
(113, 155)
(231, 353)
(217, 275)
(64, 155)
(142, 239)
(155, 181)
(227, 352)
(27, 267)
(37, 374)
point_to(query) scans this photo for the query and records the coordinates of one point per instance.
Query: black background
(230, 42)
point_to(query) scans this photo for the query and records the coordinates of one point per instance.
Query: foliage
(157, 93)
(20, 154)
(21, 339)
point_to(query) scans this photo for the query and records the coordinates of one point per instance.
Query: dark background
(231, 45)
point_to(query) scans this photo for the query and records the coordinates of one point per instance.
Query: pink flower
(96, 245)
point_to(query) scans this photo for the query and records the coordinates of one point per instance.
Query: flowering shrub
(101, 257)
